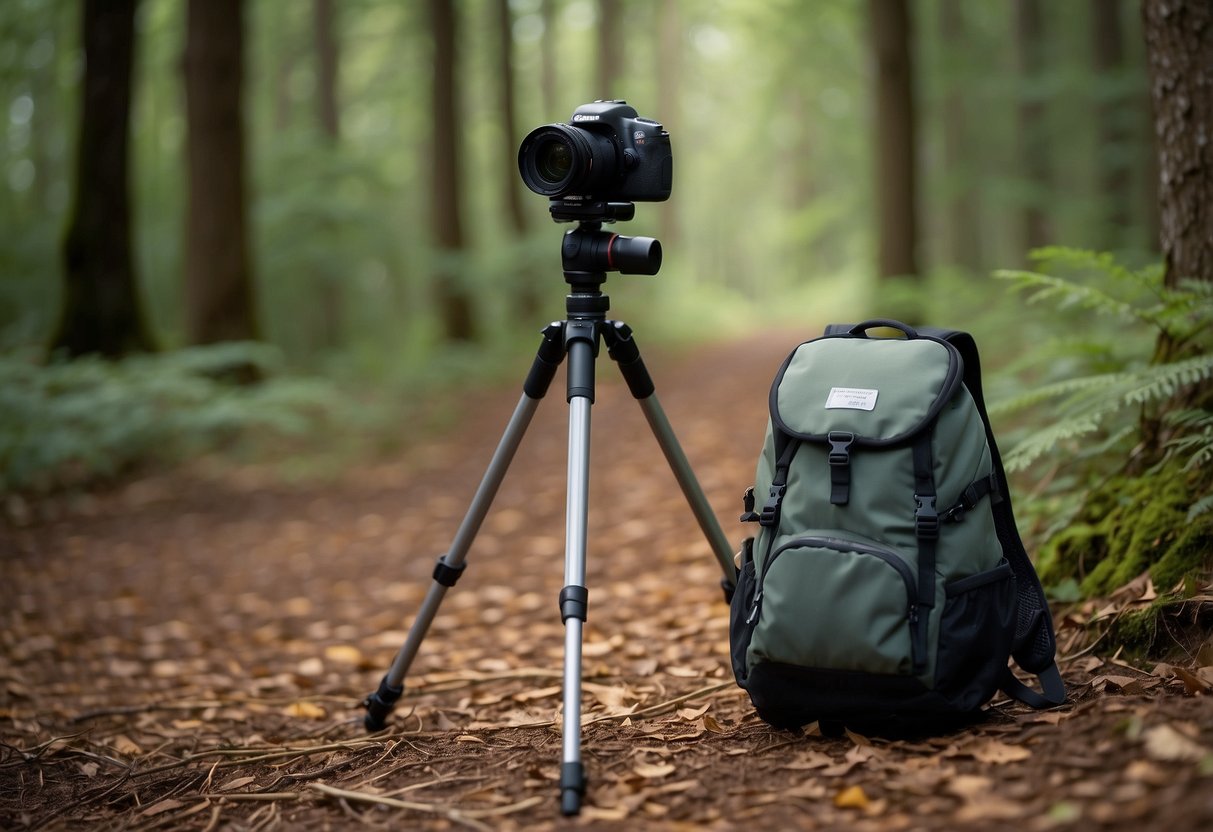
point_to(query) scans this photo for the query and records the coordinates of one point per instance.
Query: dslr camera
(606, 153)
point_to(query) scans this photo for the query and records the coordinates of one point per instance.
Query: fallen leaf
(1193, 684)
(343, 654)
(603, 813)
(305, 710)
(851, 798)
(653, 771)
(125, 745)
(89, 769)
(237, 783)
(537, 693)
(161, 807)
(998, 753)
(692, 714)
(1165, 743)
(468, 738)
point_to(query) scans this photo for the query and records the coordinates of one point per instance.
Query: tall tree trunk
(669, 84)
(895, 139)
(964, 241)
(1179, 43)
(446, 225)
(328, 118)
(324, 28)
(511, 197)
(1179, 47)
(1112, 155)
(1033, 137)
(218, 276)
(610, 47)
(101, 311)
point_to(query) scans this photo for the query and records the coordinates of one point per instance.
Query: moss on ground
(1130, 525)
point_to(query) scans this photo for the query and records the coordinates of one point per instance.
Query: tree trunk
(455, 304)
(1179, 43)
(101, 311)
(895, 138)
(524, 285)
(610, 47)
(328, 118)
(1115, 182)
(1033, 136)
(962, 212)
(327, 69)
(1179, 48)
(218, 277)
(669, 84)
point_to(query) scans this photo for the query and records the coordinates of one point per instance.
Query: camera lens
(558, 160)
(553, 161)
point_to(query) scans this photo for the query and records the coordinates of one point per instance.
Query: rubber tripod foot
(572, 788)
(379, 704)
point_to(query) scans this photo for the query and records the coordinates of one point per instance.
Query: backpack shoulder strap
(1035, 646)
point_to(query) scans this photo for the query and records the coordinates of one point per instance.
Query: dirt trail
(189, 651)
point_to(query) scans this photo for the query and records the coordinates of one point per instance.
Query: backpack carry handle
(905, 329)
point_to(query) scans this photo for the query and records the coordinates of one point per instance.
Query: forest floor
(188, 651)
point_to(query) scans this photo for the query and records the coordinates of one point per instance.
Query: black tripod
(588, 253)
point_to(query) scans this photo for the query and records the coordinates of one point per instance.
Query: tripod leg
(450, 566)
(574, 596)
(622, 348)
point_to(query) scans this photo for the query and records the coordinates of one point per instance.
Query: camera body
(605, 153)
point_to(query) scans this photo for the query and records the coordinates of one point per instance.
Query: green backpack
(887, 580)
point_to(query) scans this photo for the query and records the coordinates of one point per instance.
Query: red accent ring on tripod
(610, 253)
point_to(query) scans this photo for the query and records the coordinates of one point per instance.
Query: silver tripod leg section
(573, 598)
(660, 426)
(466, 533)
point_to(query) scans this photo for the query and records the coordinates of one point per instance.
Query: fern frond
(1041, 287)
(1201, 506)
(1041, 442)
(1164, 381)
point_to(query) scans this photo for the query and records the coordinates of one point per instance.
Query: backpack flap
(849, 392)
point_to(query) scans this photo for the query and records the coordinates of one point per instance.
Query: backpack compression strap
(1034, 645)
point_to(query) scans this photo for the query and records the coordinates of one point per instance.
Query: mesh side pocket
(975, 636)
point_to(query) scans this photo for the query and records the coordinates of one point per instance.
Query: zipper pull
(754, 612)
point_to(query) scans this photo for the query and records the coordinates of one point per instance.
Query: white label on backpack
(851, 398)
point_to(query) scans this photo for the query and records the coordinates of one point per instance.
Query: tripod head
(587, 253)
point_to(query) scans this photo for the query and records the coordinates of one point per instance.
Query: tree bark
(446, 225)
(1179, 44)
(1033, 138)
(101, 311)
(895, 139)
(218, 276)
(1179, 49)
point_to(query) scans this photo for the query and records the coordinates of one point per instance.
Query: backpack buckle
(926, 517)
(840, 446)
(770, 511)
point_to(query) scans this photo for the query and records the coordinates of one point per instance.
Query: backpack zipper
(918, 634)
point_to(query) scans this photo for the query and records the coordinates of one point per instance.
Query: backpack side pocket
(740, 632)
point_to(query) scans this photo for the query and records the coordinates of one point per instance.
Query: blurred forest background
(326, 192)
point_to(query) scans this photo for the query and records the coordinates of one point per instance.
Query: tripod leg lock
(379, 704)
(446, 574)
(574, 603)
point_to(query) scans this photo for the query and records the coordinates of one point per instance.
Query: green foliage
(1122, 439)
(72, 424)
